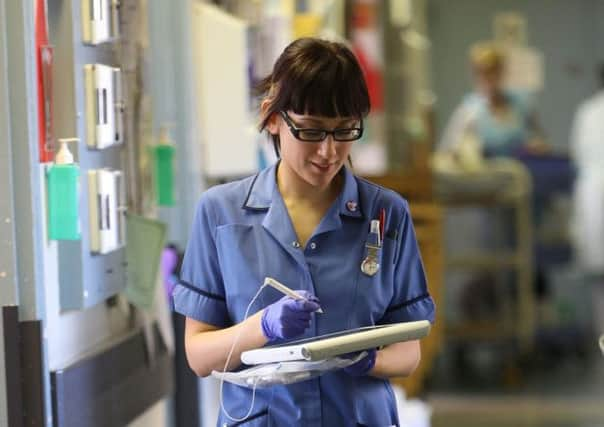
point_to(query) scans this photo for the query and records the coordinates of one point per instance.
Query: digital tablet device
(326, 346)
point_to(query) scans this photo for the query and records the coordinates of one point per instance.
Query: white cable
(226, 365)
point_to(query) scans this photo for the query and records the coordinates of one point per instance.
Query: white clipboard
(331, 345)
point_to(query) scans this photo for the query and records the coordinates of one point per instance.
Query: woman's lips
(323, 167)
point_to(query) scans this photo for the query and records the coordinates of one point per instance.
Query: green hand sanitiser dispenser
(163, 165)
(63, 195)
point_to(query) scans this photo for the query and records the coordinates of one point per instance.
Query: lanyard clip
(370, 264)
(375, 233)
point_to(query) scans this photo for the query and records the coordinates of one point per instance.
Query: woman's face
(489, 81)
(315, 163)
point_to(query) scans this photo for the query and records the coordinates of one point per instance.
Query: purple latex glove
(169, 261)
(363, 366)
(288, 318)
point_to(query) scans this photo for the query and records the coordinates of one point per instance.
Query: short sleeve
(199, 293)
(411, 300)
(462, 121)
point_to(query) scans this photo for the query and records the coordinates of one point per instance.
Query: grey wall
(568, 33)
(8, 285)
(599, 17)
(19, 94)
(171, 85)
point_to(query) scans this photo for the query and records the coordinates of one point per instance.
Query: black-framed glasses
(318, 135)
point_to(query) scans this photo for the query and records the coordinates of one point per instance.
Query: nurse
(305, 221)
(501, 119)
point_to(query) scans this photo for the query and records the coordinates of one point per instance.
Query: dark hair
(315, 76)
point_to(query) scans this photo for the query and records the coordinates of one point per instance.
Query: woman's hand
(288, 318)
(363, 366)
(397, 360)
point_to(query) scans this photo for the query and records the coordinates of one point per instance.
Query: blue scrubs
(242, 233)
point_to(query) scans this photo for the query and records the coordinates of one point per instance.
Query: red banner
(44, 60)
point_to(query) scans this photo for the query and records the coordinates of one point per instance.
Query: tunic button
(313, 245)
(296, 244)
(351, 205)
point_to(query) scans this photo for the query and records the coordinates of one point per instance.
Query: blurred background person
(587, 151)
(501, 120)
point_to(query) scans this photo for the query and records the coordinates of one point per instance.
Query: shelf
(485, 261)
(483, 330)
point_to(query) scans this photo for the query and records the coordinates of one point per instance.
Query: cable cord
(228, 360)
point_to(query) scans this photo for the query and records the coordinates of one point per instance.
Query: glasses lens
(311, 135)
(347, 134)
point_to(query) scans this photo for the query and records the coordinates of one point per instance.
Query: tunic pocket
(243, 266)
(374, 291)
(258, 419)
(247, 254)
(376, 405)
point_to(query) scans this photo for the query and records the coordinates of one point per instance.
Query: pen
(382, 224)
(285, 290)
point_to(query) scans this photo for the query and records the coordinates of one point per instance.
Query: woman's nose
(327, 147)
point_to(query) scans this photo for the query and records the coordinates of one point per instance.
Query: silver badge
(370, 266)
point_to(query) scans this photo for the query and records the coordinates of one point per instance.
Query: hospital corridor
(303, 213)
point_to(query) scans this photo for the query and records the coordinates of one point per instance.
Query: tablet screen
(331, 335)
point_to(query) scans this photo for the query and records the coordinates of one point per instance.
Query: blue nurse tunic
(242, 233)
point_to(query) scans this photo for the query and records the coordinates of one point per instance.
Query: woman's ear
(272, 122)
